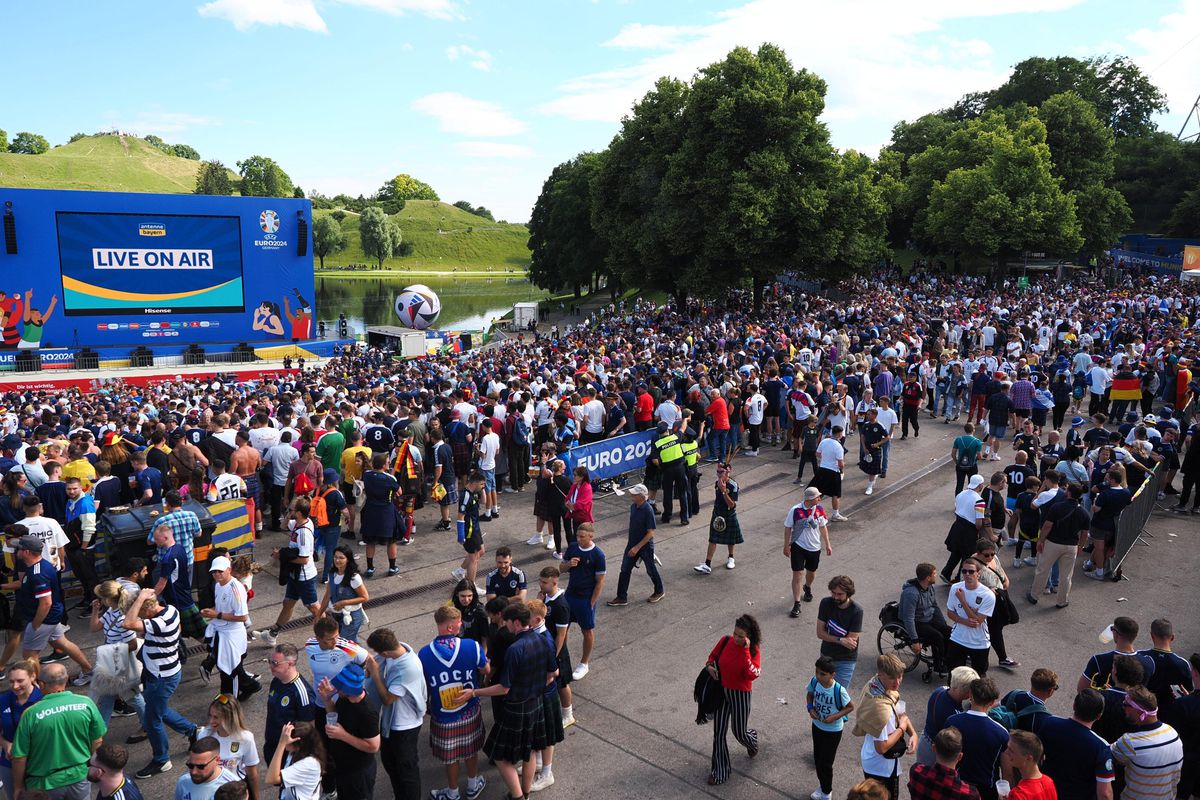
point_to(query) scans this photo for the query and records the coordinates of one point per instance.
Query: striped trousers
(737, 708)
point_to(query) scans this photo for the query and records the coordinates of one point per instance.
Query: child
(1027, 517)
(828, 705)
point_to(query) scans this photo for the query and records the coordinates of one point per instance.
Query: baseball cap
(33, 544)
(637, 488)
(219, 564)
(975, 482)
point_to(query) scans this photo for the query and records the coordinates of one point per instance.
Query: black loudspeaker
(193, 355)
(141, 357)
(301, 237)
(10, 231)
(28, 361)
(87, 358)
(465, 340)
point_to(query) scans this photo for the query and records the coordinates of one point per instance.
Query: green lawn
(443, 237)
(101, 163)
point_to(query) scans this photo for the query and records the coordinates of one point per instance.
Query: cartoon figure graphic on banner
(301, 321)
(35, 322)
(266, 318)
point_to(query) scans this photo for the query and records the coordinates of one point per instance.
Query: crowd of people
(342, 458)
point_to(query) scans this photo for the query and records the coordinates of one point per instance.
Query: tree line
(730, 179)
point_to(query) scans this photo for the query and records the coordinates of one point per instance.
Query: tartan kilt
(518, 732)
(457, 741)
(552, 715)
(462, 458)
(191, 623)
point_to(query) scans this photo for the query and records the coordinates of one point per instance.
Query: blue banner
(611, 457)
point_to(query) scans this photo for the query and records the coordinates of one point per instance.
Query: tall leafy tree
(565, 248)
(262, 177)
(379, 234)
(213, 178)
(1154, 172)
(402, 188)
(328, 238)
(3, 139)
(185, 151)
(629, 207)
(30, 144)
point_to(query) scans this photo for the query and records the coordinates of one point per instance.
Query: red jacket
(738, 668)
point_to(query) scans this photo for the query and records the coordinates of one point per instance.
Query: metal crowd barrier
(1131, 524)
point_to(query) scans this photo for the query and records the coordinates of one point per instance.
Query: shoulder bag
(707, 692)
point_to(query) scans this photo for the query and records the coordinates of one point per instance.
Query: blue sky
(482, 98)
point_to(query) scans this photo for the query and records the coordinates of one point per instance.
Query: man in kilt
(552, 710)
(521, 728)
(451, 664)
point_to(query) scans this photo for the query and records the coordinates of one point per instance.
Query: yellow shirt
(80, 468)
(351, 471)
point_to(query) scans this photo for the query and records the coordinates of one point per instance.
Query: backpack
(319, 509)
(303, 484)
(1010, 719)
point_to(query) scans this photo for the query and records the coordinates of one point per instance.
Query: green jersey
(55, 737)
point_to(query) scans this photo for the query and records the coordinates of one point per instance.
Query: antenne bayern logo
(268, 221)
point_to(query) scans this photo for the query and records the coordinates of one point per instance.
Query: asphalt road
(636, 733)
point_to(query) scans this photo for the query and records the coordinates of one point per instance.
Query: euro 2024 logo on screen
(268, 220)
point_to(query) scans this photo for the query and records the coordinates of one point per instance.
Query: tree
(3, 140)
(185, 151)
(565, 248)
(298, 193)
(479, 211)
(628, 204)
(328, 238)
(30, 144)
(75, 137)
(213, 178)
(1154, 173)
(402, 188)
(992, 193)
(1185, 217)
(156, 141)
(262, 177)
(380, 235)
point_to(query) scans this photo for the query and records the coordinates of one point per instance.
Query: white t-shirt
(237, 752)
(983, 600)
(593, 416)
(301, 779)
(829, 453)
(52, 535)
(756, 406)
(335, 581)
(805, 523)
(887, 418)
(227, 486)
(230, 601)
(969, 505)
(489, 446)
(302, 540)
(668, 412)
(873, 763)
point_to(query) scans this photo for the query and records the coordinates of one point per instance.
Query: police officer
(668, 455)
(691, 457)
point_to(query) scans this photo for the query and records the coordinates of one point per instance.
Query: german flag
(1126, 389)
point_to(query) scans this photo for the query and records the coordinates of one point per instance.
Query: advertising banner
(114, 269)
(611, 457)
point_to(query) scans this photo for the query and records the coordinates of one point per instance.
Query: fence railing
(1131, 524)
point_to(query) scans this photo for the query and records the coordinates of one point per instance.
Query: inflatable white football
(418, 307)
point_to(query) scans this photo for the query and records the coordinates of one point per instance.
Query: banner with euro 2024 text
(611, 457)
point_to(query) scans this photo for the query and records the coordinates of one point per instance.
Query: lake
(467, 303)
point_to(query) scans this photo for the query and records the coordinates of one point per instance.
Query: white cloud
(457, 113)
(877, 56)
(493, 150)
(161, 123)
(1169, 53)
(479, 59)
(245, 14)
(438, 9)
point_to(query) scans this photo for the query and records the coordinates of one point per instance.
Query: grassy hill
(104, 163)
(443, 237)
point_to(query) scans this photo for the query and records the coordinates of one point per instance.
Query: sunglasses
(192, 766)
(969, 571)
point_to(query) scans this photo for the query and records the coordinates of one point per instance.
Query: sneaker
(82, 679)
(730, 563)
(393, 572)
(568, 721)
(617, 602)
(485, 517)
(550, 544)
(1031, 561)
(370, 573)
(808, 594)
(543, 781)
(266, 636)
(124, 710)
(1096, 575)
(1047, 590)
(839, 517)
(1008, 663)
(53, 657)
(152, 769)
(137, 738)
(508, 490)
(1018, 563)
(205, 674)
(750, 454)
(703, 569)
(495, 513)
(580, 672)
(475, 788)
(870, 490)
(249, 690)
(535, 539)
(1029, 598)
(1179, 509)
(557, 556)
(442, 794)
(1088, 566)
(654, 598)
(458, 574)
(795, 612)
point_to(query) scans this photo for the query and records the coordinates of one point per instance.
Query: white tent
(1189, 275)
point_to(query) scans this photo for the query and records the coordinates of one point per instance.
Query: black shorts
(474, 544)
(828, 481)
(805, 559)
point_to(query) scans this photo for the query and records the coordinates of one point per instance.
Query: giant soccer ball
(418, 307)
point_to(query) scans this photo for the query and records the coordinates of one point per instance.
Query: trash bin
(126, 529)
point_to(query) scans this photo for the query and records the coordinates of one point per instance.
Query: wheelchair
(894, 639)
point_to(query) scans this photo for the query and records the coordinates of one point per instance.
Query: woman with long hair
(993, 576)
(345, 593)
(239, 750)
(23, 693)
(15, 487)
(108, 615)
(116, 454)
(556, 507)
(474, 615)
(736, 662)
(298, 764)
(578, 502)
(195, 486)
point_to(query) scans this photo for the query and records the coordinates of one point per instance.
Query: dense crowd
(1088, 390)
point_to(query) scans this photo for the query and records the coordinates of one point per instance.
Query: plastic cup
(1106, 635)
(1002, 788)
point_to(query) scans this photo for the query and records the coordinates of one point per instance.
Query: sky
(482, 98)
